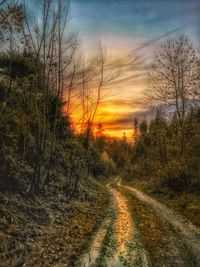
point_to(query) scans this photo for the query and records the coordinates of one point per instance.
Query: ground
(44, 232)
(140, 231)
(117, 225)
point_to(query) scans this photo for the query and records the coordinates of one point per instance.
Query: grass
(48, 232)
(109, 243)
(186, 203)
(159, 240)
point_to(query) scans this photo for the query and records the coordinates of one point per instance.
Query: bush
(174, 175)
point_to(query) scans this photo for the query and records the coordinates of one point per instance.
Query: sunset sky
(130, 31)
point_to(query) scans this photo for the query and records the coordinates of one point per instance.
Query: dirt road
(184, 230)
(139, 231)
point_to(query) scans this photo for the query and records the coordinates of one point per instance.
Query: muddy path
(129, 250)
(140, 231)
(117, 242)
(91, 256)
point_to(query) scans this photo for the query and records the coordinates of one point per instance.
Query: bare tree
(97, 76)
(53, 52)
(174, 79)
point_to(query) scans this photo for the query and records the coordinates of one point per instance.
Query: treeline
(166, 148)
(43, 79)
(40, 68)
(159, 153)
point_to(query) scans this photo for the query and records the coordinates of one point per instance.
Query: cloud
(128, 103)
(152, 41)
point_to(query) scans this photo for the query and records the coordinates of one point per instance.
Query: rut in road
(188, 232)
(91, 257)
(127, 249)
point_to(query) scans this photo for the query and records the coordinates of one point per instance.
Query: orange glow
(124, 98)
(111, 116)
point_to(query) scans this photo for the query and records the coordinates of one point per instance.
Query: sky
(130, 31)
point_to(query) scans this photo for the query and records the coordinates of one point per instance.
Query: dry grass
(48, 232)
(165, 248)
(185, 203)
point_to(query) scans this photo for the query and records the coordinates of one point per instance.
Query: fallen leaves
(52, 232)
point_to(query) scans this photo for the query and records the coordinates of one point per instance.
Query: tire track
(185, 231)
(90, 257)
(127, 249)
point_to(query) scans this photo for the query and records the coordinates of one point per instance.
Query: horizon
(129, 32)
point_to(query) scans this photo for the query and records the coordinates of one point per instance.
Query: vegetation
(167, 148)
(164, 157)
(51, 174)
(46, 169)
(39, 150)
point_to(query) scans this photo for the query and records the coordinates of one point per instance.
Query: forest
(69, 194)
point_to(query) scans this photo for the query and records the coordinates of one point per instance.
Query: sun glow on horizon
(116, 116)
(121, 99)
